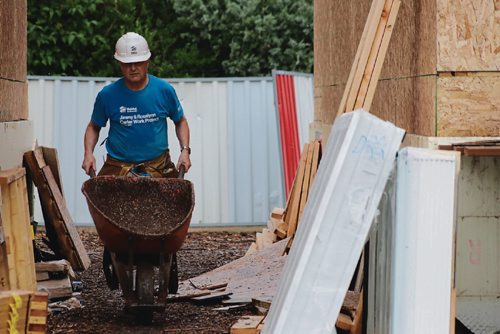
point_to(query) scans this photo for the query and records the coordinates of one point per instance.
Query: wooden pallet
(61, 230)
(17, 267)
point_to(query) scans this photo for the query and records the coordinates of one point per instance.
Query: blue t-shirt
(138, 126)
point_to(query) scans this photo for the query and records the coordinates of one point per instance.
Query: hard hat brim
(133, 59)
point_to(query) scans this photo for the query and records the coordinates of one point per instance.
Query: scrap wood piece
(277, 213)
(213, 297)
(292, 214)
(316, 160)
(14, 306)
(56, 215)
(17, 268)
(55, 266)
(56, 288)
(247, 324)
(260, 280)
(221, 275)
(262, 304)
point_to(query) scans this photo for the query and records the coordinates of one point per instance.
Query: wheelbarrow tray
(140, 214)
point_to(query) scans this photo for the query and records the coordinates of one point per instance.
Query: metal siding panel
(290, 144)
(304, 100)
(237, 180)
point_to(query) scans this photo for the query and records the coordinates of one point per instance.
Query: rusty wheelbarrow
(142, 222)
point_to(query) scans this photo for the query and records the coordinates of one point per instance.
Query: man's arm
(182, 132)
(89, 141)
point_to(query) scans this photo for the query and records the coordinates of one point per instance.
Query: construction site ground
(102, 309)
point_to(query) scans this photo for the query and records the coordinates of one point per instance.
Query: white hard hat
(132, 48)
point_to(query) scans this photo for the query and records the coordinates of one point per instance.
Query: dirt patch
(102, 310)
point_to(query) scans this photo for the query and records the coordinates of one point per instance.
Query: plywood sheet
(16, 138)
(14, 100)
(468, 35)
(468, 106)
(13, 39)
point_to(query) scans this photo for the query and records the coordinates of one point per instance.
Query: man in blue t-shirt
(137, 107)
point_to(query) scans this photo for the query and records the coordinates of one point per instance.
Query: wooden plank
(56, 266)
(18, 250)
(247, 324)
(368, 71)
(368, 99)
(344, 322)
(10, 175)
(362, 52)
(56, 288)
(51, 158)
(305, 182)
(492, 151)
(291, 218)
(357, 322)
(277, 213)
(316, 159)
(60, 227)
(37, 313)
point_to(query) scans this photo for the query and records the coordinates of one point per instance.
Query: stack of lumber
(370, 56)
(61, 231)
(55, 277)
(17, 268)
(23, 311)
(283, 223)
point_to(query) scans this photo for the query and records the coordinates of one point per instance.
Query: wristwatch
(186, 148)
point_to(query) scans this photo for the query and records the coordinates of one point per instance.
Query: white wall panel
(236, 171)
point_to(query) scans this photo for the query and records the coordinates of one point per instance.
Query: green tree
(188, 38)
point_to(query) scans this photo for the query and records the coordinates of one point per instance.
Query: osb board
(468, 106)
(13, 100)
(468, 35)
(13, 38)
(15, 138)
(338, 26)
(222, 275)
(409, 103)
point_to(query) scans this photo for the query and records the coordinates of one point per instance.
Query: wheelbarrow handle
(182, 171)
(92, 173)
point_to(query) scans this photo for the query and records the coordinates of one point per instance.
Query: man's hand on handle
(89, 163)
(185, 160)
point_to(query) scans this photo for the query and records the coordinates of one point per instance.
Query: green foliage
(188, 38)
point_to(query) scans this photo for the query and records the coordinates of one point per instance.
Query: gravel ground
(102, 310)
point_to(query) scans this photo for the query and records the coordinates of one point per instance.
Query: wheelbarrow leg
(173, 283)
(125, 277)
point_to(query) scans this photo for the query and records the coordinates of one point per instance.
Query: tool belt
(161, 166)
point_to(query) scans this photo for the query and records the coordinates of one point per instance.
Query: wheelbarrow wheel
(145, 292)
